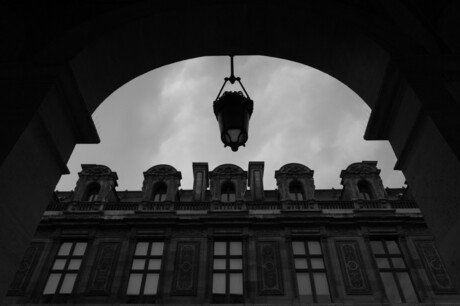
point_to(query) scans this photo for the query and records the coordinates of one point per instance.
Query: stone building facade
(230, 241)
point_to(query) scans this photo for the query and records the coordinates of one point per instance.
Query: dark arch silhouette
(57, 71)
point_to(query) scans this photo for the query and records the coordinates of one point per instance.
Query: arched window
(227, 193)
(365, 192)
(296, 191)
(92, 192)
(159, 192)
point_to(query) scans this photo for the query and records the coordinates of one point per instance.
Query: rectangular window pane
(219, 264)
(303, 282)
(235, 248)
(220, 248)
(236, 264)
(74, 264)
(390, 287)
(298, 248)
(321, 283)
(64, 250)
(231, 197)
(157, 248)
(393, 247)
(317, 263)
(407, 288)
(67, 284)
(80, 248)
(398, 263)
(151, 284)
(138, 264)
(236, 283)
(52, 283)
(154, 264)
(314, 247)
(218, 283)
(141, 249)
(301, 263)
(59, 264)
(382, 263)
(377, 247)
(134, 284)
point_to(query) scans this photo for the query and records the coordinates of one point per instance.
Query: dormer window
(227, 193)
(365, 192)
(295, 191)
(92, 192)
(159, 192)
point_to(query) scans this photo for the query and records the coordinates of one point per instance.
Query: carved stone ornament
(227, 170)
(434, 267)
(270, 280)
(102, 272)
(363, 168)
(353, 270)
(21, 279)
(96, 170)
(294, 169)
(163, 171)
(186, 268)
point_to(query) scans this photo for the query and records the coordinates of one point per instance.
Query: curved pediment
(362, 168)
(294, 169)
(95, 170)
(162, 170)
(228, 169)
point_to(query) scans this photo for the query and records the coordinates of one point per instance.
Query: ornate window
(227, 277)
(295, 191)
(65, 268)
(92, 192)
(227, 193)
(145, 269)
(310, 270)
(393, 271)
(159, 192)
(365, 191)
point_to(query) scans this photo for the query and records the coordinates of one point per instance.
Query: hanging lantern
(233, 111)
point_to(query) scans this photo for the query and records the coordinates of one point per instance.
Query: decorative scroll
(270, 280)
(434, 266)
(102, 275)
(186, 268)
(26, 269)
(352, 266)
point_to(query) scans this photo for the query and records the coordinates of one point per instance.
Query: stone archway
(385, 52)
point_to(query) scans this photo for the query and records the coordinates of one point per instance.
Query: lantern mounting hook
(232, 80)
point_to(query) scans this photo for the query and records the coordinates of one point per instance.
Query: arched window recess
(92, 192)
(159, 192)
(228, 193)
(296, 191)
(365, 191)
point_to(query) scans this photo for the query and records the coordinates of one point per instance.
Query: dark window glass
(227, 193)
(227, 267)
(393, 272)
(365, 191)
(159, 192)
(65, 268)
(311, 274)
(295, 191)
(92, 192)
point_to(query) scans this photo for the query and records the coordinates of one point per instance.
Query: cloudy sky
(165, 117)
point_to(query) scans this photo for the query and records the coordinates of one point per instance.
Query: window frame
(310, 270)
(65, 270)
(90, 195)
(391, 269)
(227, 297)
(141, 297)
